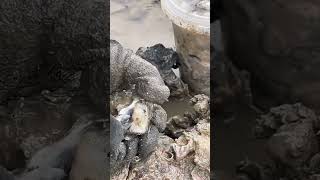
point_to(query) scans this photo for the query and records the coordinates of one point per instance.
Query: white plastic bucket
(191, 26)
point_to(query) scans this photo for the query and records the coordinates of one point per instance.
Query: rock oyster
(134, 113)
(140, 118)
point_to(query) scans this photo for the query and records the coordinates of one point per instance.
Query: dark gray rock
(292, 142)
(292, 146)
(268, 124)
(165, 59)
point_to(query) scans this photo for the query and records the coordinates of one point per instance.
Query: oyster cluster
(184, 157)
(139, 125)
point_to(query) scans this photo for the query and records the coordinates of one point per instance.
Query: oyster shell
(133, 112)
(126, 113)
(140, 118)
(183, 147)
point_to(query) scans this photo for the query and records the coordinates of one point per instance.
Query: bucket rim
(185, 19)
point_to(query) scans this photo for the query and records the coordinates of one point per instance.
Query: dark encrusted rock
(292, 142)
(268, 124)
(292, 146)
(165, 59)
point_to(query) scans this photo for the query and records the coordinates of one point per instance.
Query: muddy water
(137, 23)
(140, 23)
(177, 107)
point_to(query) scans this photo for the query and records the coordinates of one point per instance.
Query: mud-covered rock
(292, 146)
(292, 142)
(269, 123)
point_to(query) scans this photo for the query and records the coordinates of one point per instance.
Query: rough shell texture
(187, 158)
(183, 147)
(292, 142)
(184, 158)
(140, 119)
(161, 164)
(201, 105)
(202, 151)
(142, 112)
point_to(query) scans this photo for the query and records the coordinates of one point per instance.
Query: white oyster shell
(140, 119)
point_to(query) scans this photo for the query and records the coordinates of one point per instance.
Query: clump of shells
(184, 157)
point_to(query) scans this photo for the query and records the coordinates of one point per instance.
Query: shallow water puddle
(177, 107)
